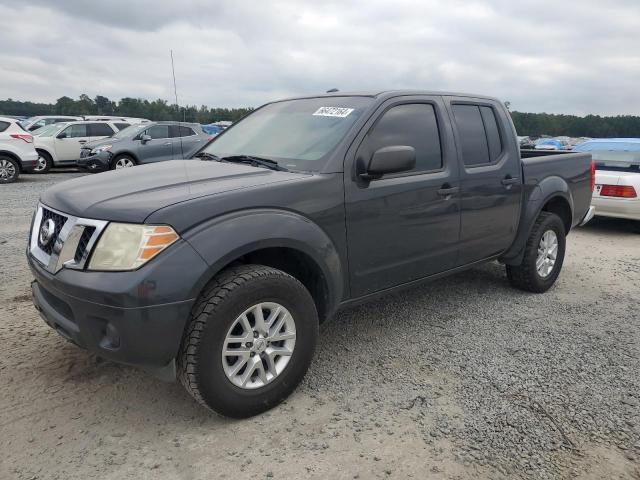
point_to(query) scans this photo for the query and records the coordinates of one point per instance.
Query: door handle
(447, 190)
(168, 143)
(509, 180)
(82, 141)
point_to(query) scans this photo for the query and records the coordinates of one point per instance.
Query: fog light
(111, 339)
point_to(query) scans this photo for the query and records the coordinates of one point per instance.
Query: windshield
(298, 134)
(130, 131)
(49, 130)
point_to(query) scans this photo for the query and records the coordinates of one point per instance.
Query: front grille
(83, 243)
(59, 221)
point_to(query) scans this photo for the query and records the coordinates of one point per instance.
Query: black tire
(9, 169)
(200, 367)
(48, 162)
(525, 276)
(119, 158)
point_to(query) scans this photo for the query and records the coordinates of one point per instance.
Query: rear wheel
(9, 170)
(249, 341)
(543, 255)
(122, 161)
(45, 162)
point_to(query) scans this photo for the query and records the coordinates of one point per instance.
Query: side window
(186, 131)
(414, 125)
(479, 134)
(99, 130)
(180, 131)
(158, 131)
(76, 131)
(121, 126)
(4, 126)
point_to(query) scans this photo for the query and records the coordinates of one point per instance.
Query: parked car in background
(212, 129)
(16, 150)
(60, 144)
(107, 118)
(549, 144)
(147, 143)
(34, 123)
(617, 191)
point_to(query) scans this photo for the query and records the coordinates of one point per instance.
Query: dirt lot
(463, 378)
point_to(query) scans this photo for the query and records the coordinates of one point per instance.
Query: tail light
(22, 136)
(620, 191)
(593, 175)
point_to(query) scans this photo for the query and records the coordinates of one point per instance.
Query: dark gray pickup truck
(218, 270)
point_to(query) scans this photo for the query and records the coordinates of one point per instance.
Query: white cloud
(540, 55)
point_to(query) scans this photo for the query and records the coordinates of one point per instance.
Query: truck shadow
(606, 225)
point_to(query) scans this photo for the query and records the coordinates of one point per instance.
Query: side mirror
(145, 138)
(398, 158)
(62, 135)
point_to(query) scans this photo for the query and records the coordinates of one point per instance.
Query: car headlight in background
(103, 148)
(126, 246)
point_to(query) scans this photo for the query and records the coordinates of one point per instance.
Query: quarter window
(413, 125)
(4, 126)
(121, 126)
(479, 134)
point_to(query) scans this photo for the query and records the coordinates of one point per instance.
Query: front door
(490, 178)
(159, 148)
(69, 142)
(403, 226)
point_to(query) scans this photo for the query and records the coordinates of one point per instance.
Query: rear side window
(4, 126)
(479, 134)
(76, 131)
(121, 126)
(158, 131)
(99, 130)
(414, 125)
(180, 131)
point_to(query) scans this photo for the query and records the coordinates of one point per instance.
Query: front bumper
(136, 318)
(97, 162)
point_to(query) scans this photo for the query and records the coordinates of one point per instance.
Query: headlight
(103, 148)
(126, 246)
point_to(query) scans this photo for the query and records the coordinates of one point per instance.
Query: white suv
(59, 144)
(34, 123)
(16, 150)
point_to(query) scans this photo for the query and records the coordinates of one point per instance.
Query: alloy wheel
(547, 253)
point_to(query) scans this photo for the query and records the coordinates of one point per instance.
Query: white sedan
(617, 194)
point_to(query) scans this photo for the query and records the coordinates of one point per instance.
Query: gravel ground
(462, 378)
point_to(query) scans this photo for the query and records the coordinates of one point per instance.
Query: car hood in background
(132, 194)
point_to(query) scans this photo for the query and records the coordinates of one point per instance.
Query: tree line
(526, 123)
(126, 107)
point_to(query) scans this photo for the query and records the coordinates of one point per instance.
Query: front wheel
(249, 341)
(123, 161)
(44, 162)
(9, 170)
(543, 255)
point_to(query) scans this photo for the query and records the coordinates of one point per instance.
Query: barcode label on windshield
(333, 112)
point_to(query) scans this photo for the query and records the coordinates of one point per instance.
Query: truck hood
(132, 194)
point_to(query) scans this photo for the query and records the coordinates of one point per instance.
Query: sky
(575, 57)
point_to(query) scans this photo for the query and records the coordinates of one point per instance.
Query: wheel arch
(124, 153)
(279, 239)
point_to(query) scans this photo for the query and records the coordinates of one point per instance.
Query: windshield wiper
(255, 161)
(207, 156)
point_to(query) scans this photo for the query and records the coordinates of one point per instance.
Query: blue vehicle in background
(212, 129)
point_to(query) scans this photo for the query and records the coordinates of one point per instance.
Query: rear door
(159, 148)
(69, 142)
(185, 141)
(403, 226)
(490, 177)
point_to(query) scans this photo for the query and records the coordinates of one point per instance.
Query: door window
(158, 131)
(99, 130)
(76, 131)
(479, 134)
(413, 125)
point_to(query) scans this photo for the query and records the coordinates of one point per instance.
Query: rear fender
(535, 200)
(224, 239)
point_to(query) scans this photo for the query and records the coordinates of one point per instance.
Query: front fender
(535, 199)
(224, 239)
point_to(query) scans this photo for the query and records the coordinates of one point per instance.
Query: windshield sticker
(333, 112)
